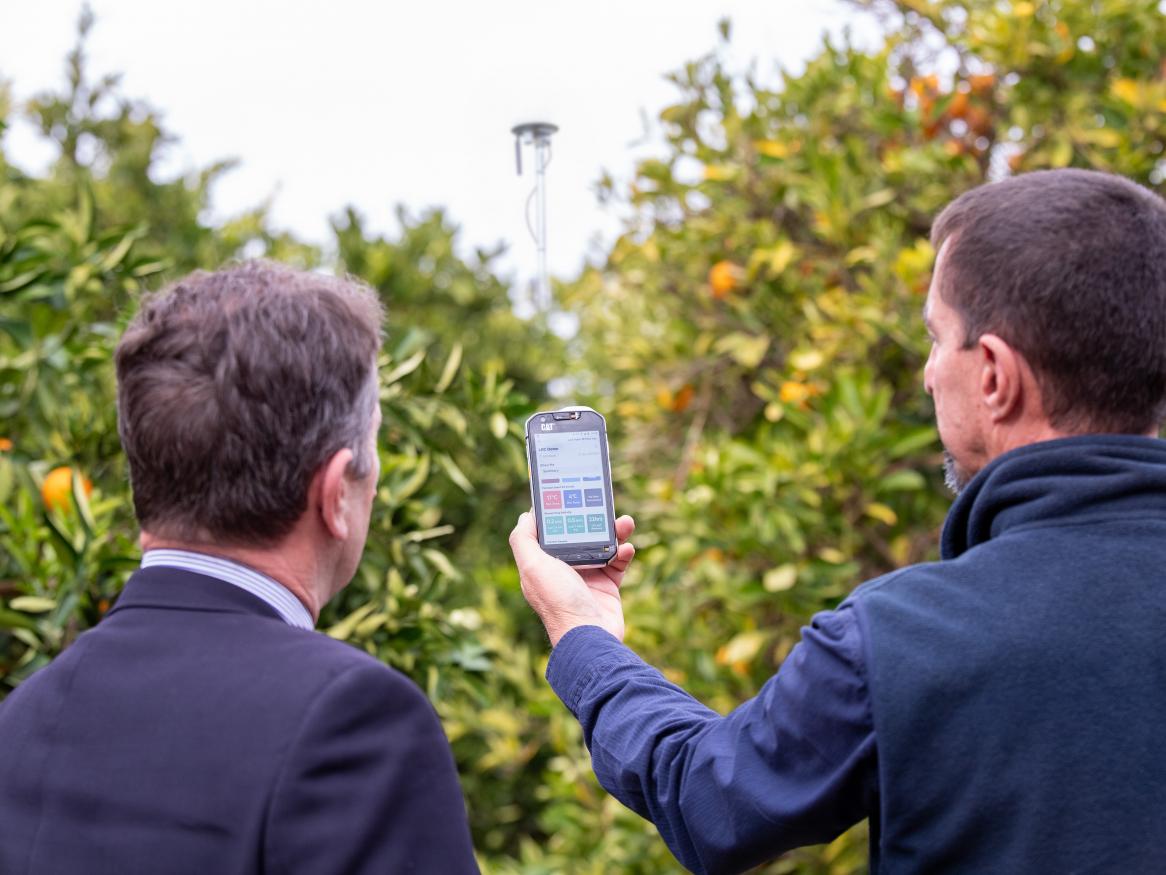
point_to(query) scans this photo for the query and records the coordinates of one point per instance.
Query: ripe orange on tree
(982, 83)
(683, 398)
(958, 107)
(724, 277)
(57, 489)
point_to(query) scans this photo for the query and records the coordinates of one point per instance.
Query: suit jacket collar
(179, 589)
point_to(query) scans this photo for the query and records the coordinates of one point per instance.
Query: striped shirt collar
(275, 594)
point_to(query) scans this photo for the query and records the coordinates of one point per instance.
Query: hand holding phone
(564, 597)
(570, 485)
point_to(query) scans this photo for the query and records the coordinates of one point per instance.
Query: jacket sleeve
(794, 766)
(369, 785)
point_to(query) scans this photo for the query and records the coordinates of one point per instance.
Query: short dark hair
(234, 387)
(1069, 267)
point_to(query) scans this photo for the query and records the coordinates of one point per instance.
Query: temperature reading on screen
(570, 481)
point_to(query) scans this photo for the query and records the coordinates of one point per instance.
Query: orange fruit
(982, 83)
(723, 277)
(958, 107)
(979, 120)
(57, 489)
(921, 85)
(5, 445)
(792, 392)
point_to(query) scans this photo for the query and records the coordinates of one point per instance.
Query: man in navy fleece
(1001, 710)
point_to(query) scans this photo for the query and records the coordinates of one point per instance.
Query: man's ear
(1002, 384)
(332, 491)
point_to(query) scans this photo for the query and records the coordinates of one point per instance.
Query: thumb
(524, 541)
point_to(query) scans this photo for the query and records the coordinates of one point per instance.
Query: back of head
(1069, 267)
(234, 387)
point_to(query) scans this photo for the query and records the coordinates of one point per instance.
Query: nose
(927, 381)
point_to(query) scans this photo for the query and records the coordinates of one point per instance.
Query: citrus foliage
(754, 338)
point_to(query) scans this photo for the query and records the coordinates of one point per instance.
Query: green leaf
(743, 647)
(149, 268)
(344, 629)
(878, 199)
(20, 281)
(62, 541)
(441, 562)
(114, 257)
(450, 369)
(419, 535)
(746, 349)
(455, 473)
(881, 512)
(902, 481)
(414, 482)
(81, 502)
(32, 604)
(13, 620)
(499, 424)
(404, 368)
(781, 578)
(913, 441)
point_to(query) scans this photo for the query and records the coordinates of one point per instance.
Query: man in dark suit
(203, 726)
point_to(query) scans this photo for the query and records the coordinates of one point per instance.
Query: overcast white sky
(375, 104)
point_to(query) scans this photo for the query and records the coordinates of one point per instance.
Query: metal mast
(537, 134)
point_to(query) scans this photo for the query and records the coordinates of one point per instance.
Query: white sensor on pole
(537, 134)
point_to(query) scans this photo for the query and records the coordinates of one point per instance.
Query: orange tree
(754, 336)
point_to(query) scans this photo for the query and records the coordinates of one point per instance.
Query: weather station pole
(537, 134)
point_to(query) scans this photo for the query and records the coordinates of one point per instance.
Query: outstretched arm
(793, 766)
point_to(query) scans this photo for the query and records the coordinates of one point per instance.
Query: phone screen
(571, 487)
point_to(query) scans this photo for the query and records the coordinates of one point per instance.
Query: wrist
(557, 627)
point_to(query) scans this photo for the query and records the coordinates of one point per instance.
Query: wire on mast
(537, 134)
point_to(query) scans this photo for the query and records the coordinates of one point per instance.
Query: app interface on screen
(570, 483)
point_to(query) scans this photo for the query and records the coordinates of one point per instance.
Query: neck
(1036, 431)
(1021, 435)
(289, 564)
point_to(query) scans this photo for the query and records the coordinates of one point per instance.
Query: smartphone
(570, 485)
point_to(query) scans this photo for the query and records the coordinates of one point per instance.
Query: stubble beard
(955, 477)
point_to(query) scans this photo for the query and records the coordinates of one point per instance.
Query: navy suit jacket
(194, 731)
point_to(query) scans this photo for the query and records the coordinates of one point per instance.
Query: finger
(624, 526)
(624, 554)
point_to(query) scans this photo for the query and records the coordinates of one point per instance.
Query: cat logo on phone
(547, 426)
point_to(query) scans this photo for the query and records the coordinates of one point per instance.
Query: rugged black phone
(570, 485)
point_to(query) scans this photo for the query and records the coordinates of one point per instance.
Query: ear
(1002, 388)
(332, 491)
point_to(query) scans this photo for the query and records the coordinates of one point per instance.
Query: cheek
(938, 372)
